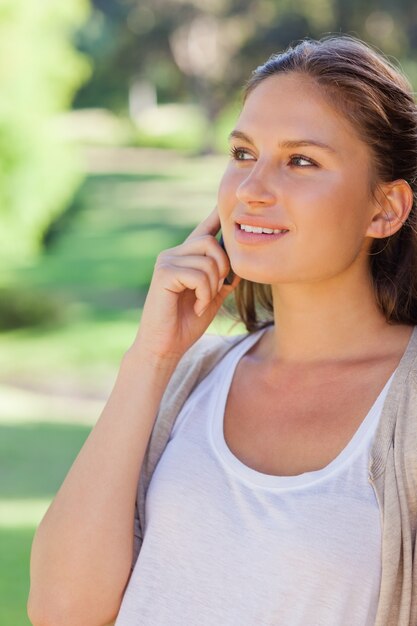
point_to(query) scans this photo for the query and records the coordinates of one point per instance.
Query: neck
(319, 323)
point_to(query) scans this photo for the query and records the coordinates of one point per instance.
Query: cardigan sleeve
(195, 364)
(158, 439)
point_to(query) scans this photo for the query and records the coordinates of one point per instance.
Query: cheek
(226, 195)
(339, 205)
(332, 221)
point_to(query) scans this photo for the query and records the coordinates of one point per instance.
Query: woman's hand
(185, 293)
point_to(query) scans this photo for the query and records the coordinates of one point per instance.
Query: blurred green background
(113, 123)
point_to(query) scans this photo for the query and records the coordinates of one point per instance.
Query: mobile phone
(229, 278)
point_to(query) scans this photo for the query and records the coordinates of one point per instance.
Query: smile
(246, 234)
(259, 229)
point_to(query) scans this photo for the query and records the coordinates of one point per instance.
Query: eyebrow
(289, 143)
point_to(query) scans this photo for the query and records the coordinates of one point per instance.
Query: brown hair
(379, 102)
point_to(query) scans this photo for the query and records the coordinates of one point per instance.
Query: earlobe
(395, 201)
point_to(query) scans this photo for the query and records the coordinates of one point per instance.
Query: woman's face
(319, 194)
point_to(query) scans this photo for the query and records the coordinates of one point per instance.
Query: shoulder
(203, 355)
(212, 344)
(195, 364)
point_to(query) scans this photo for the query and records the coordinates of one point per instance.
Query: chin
(262, 278)
(257, 281)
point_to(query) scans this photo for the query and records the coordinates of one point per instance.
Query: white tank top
(227, 545)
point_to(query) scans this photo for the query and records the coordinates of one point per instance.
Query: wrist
(141, 355)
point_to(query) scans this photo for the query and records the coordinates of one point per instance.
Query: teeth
(258, 229)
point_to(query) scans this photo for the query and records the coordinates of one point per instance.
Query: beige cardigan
(392, 468)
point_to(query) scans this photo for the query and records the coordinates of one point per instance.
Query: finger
(177, 279)
(203, 263)
(224, 291)
(209, 226)
(204, 245)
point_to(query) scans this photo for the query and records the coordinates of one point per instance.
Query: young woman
(279, 485)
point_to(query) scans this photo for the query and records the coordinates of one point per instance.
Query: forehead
(293, 106)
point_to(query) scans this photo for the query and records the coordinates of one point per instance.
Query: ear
(393, 204)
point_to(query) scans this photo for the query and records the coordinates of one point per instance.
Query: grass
(55, 379)
(24, 447)
(34, 461)
(15, 549)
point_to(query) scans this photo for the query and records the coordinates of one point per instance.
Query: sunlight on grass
(22, 513)
(85, 341)
(22, 406)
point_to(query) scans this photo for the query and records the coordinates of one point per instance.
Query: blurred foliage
(191, 50)
(99, 263)
(20, 308)
(39, 74)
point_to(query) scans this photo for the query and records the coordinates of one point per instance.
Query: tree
(40, 72)
(204, 51)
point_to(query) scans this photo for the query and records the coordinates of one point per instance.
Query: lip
(241, 236)
(258, 221)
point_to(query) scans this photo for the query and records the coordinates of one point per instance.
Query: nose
(256, 188)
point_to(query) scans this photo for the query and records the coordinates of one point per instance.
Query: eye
(240, 154)
(300, 157)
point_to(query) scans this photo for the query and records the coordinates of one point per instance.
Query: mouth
(245, 233)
